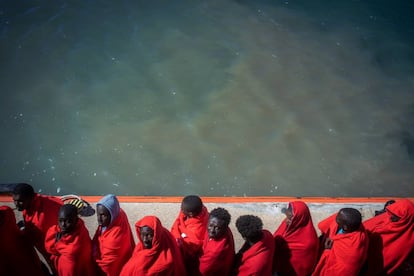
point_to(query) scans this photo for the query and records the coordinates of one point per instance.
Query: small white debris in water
(274, 56)
(58, 190)
(276, 187)
(113, 58)
(115, 184)
(53, 179)
(94, 174)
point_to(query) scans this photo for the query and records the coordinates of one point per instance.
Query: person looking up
(69, 244)
(156, 253)
(113, 242)
(218, 247)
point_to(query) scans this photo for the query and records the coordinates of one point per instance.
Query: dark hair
(69, 209)
(193, 204)
(24, 189)
(352, 217)
(250, 227)
(221, 214)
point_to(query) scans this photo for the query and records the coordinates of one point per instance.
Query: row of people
(201, 242)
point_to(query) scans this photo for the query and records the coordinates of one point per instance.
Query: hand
(328, 243)
(58, 236)
(20, 224)
(179, 242)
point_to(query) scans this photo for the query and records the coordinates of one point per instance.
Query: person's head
(147, 235)
(107, 210)
(23, 195)
(218, 223)
(349, 219)
(191, 205)
(67, 218)
(388, 203)
(250, 228)
(149, 232)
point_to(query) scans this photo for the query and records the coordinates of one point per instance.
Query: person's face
(67, 221)
(289, 215)
(147, 235)
(216, 228)
(103, 215)
(21, 202)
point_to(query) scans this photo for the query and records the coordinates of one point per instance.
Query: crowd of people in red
(201, 242)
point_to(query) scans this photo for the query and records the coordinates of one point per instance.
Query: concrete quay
(267, 208)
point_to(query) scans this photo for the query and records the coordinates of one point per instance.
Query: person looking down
(39, 214)
(345, 244)
(189, 229)
(255, 257)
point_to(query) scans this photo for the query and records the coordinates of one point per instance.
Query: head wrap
(111, 203)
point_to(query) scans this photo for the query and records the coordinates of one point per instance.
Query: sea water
(220, 98)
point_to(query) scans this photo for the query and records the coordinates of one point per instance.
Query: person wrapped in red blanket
(40, 212)
(69, 244)
(113, 242)
(218, 248)
(296, 242)
(189, 229)
(156, 253)
(346, 244)
(17, 257)
(255, 257)
(391, 248)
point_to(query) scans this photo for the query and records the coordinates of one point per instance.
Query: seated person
(218, 247)
(345, 242)
(296, 242)
(69, 244)
(189, 229)
(40, 212)
(17, 257)
(156, 253)
(113, 242)
(256, 255)
(391, 240)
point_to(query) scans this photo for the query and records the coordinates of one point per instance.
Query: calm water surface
(300, 98)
